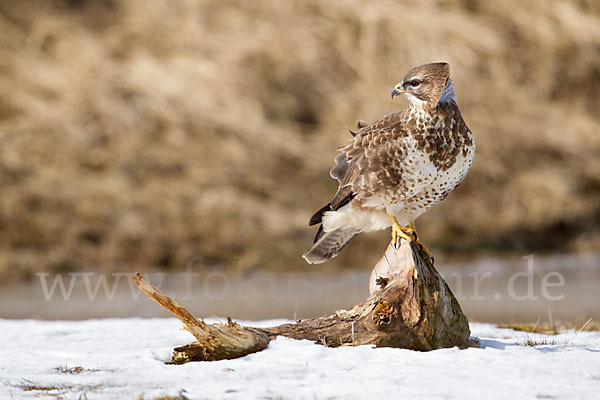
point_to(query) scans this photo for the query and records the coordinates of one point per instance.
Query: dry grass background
(139, 133)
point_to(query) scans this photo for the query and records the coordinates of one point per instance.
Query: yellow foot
(403, 232)
(409, 234)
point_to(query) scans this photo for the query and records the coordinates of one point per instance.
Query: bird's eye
(415, 83)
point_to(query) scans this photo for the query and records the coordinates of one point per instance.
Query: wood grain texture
(410, 307)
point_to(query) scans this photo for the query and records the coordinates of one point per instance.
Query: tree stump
(410, 307)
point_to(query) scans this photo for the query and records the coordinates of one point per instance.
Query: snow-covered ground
(124, 359)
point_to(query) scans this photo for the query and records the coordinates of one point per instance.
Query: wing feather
(371, 161)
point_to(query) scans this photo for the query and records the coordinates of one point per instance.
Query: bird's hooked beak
(397, 90)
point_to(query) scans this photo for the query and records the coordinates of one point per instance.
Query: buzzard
(398, 167)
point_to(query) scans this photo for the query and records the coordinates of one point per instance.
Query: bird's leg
(399, 231)
(409, 234)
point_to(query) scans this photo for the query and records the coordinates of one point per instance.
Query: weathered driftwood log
(410, 307)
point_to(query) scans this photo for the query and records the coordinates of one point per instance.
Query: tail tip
(313, 259)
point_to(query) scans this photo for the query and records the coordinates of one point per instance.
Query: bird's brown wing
(364, 163)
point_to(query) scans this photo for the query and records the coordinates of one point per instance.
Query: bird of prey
(398, 167)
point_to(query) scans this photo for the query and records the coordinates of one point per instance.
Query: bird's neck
(447, 94)
(420, 110)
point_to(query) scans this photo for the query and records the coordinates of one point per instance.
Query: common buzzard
(398, 167)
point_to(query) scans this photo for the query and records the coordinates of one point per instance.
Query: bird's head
(426, 84)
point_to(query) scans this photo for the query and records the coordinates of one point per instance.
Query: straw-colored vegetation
(553, 328)
(30, 388)
(537, 342)
(139, 133)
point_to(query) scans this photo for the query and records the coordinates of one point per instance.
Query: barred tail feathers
(329, 244)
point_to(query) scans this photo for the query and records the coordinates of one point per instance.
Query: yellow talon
(404, 232)
(409, 234)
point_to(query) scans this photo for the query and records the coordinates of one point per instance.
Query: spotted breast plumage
(398, 167)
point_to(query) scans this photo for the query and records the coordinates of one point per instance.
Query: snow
(124, 358)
